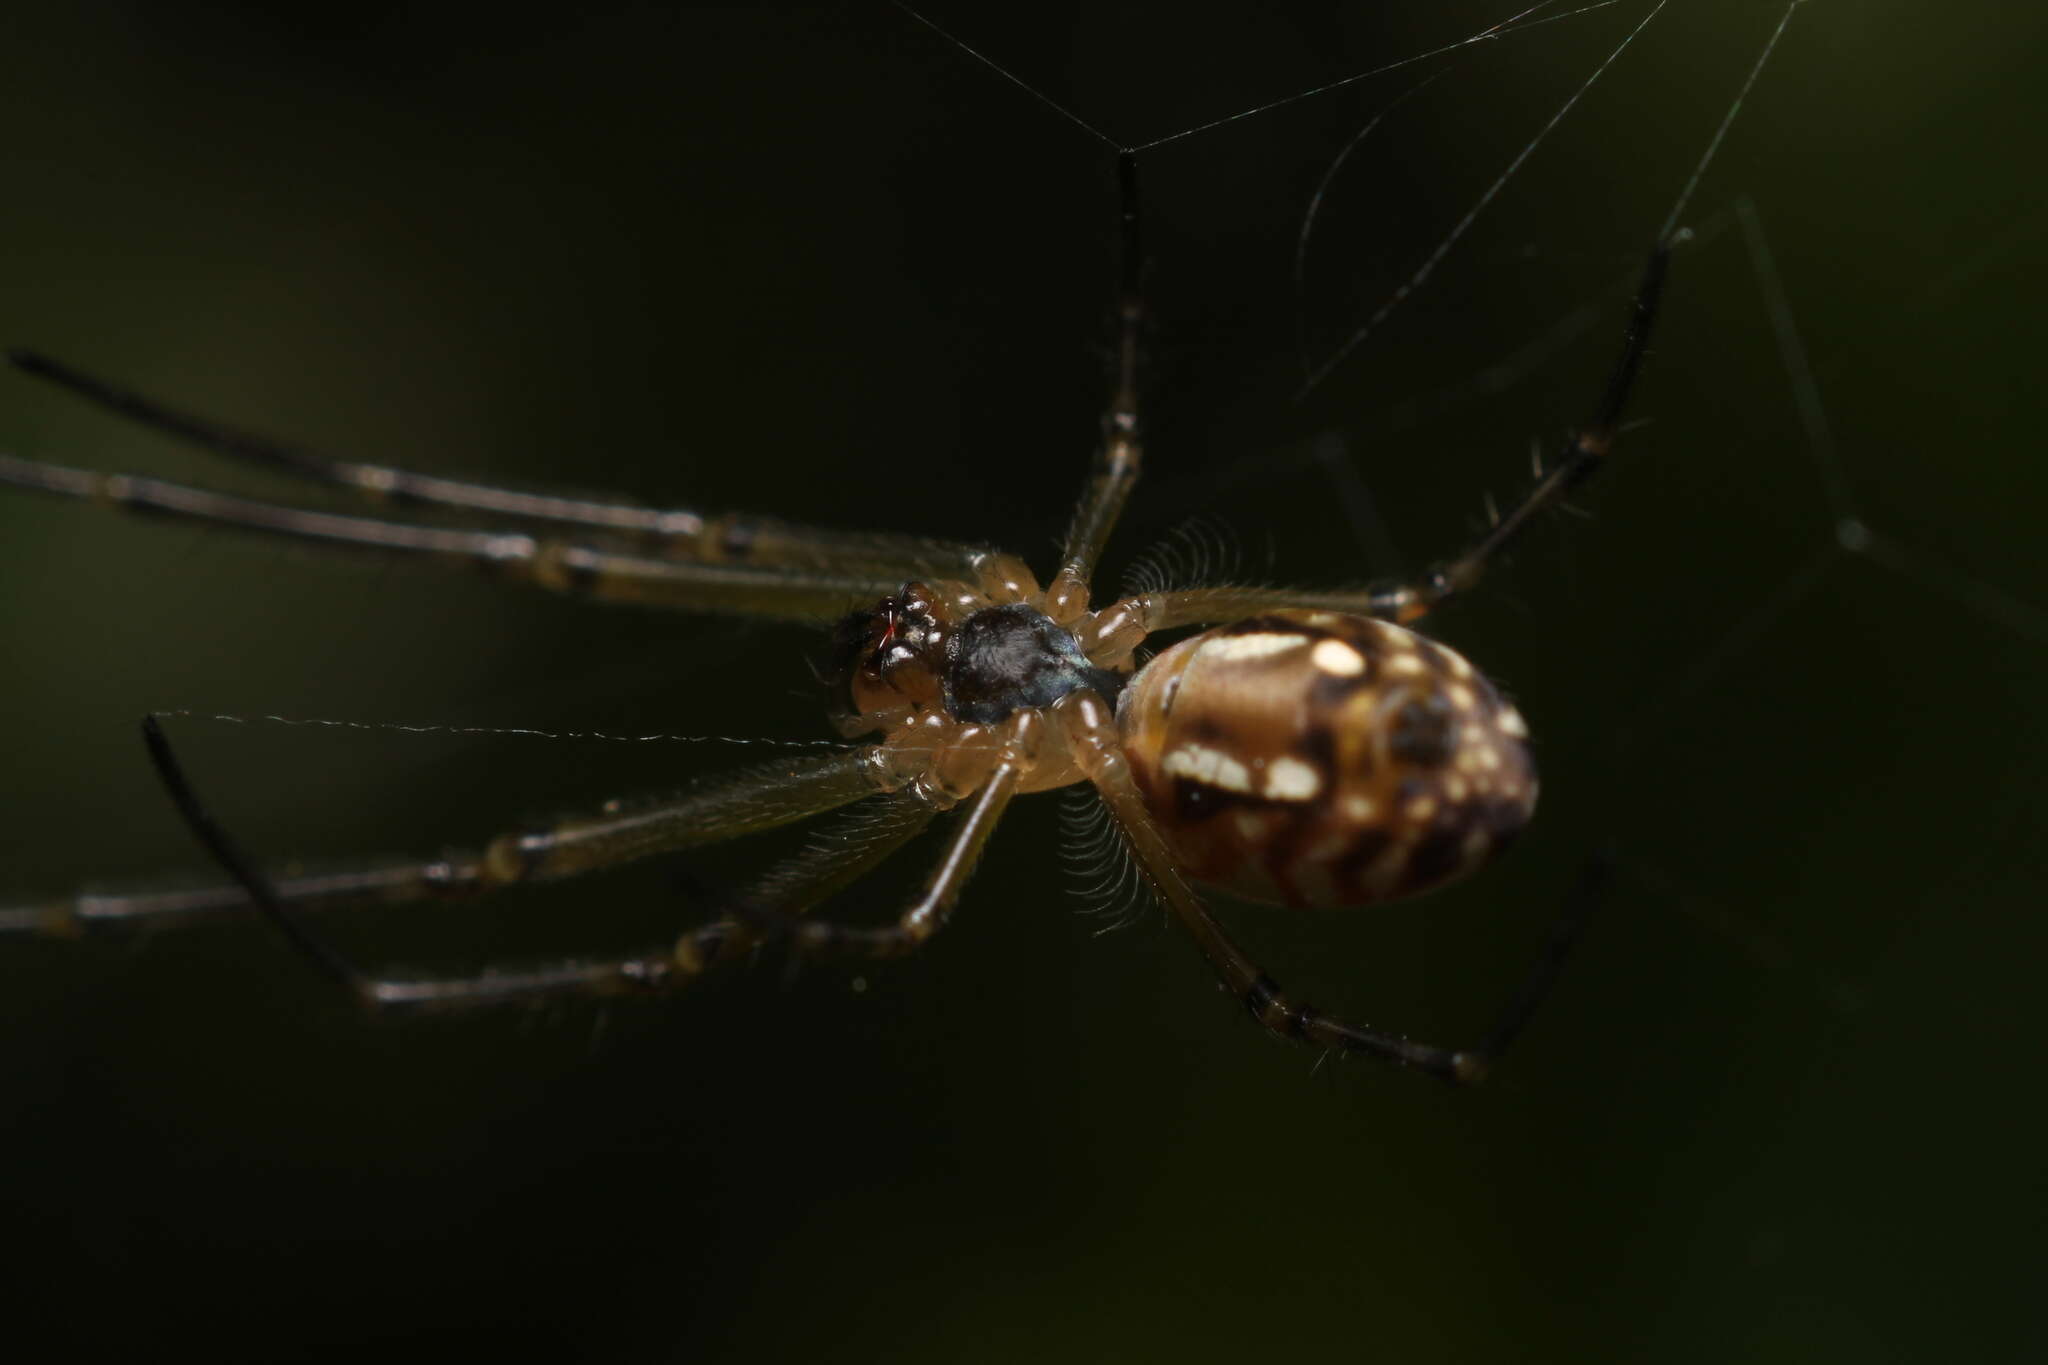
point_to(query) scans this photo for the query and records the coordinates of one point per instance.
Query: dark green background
(825, 265)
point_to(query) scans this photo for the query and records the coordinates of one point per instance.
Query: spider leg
(718, 809)
(789, 594)
(934, 905)
(677, 533)
(1121, 454)
(1104, 763)
(819, 871)
(1119, 627)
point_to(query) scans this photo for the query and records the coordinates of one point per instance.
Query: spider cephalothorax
(1005, 658)
(950, 648)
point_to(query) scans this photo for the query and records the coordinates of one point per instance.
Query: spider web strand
(1443, 248)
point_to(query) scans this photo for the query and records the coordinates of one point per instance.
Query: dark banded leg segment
(763, 916)
(1118, 461)
(726, 807)
(559, 566)
(825, 867)
(1262, 996)
(730, 538)
(822, 869)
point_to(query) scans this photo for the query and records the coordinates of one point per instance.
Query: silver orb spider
(1306, 747)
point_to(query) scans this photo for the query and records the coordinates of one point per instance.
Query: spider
(1305, 747)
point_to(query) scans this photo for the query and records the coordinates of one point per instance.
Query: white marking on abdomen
(1211, 766)
(1227, 647)
(1290, 779)
(1337, 658)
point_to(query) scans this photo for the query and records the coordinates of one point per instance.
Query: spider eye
(1316, 759)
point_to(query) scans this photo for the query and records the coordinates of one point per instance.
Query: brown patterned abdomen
(1312, 758)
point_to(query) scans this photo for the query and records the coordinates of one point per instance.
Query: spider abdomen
(1312, 758)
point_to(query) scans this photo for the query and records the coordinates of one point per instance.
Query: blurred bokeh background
(825, 264)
